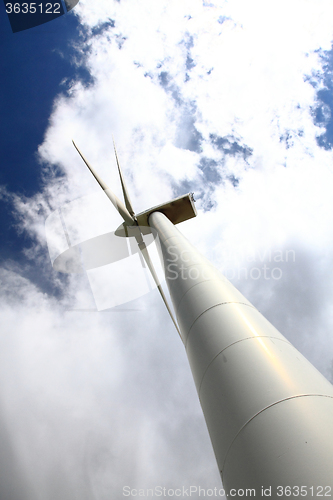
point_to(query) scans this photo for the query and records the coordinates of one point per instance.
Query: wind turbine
(269, 412)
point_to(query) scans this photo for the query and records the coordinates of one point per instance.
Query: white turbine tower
(269, 412)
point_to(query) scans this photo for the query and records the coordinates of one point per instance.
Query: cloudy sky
(231, 100)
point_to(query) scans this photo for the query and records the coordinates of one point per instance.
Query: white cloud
(84, 415)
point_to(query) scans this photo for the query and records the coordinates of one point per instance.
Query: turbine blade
(120, 207)
(128, 203)
(129, 219)
(144, 252)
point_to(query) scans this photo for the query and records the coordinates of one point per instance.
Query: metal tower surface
(269, 412)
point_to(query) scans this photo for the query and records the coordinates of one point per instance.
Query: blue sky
(228, 100)
(33, 65)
